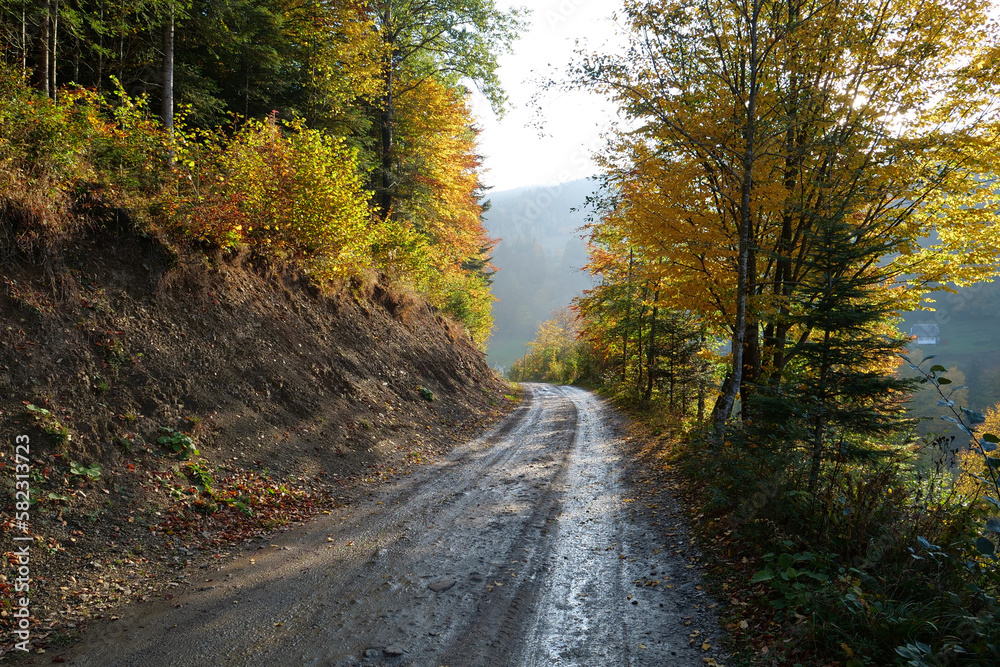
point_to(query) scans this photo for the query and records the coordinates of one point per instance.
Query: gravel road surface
(520, 548)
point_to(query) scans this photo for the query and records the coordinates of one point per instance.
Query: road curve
(518, 548)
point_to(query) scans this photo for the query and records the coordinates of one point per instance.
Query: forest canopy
(786, 179)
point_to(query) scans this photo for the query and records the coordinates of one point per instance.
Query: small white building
(926, 334)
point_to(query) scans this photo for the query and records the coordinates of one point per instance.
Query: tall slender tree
(448, 40)
(167, 103)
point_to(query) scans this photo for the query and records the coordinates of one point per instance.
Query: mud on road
(519, 548)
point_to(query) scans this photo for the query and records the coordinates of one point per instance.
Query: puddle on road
(578, 620)
(513, 551)
(590, 611)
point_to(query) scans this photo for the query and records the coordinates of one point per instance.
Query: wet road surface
(519, 548)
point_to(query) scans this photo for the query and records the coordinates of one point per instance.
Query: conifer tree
(840, 392)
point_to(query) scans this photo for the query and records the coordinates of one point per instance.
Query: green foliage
(72, 153)
(49, 424)
(401, 252)
(642, 350)
(794, 576)
(267, 181)
(300, 192)
(131, 151)
(465, 296)
(981, 448)
(555, 355)
(201, 474)
(93, 471)
(881, 557)
(462, 38)
(835, 391)
(180, 443)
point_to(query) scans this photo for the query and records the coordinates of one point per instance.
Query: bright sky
(515, 154)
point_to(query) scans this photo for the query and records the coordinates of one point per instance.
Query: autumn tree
(751, 121)
(440, 201)
(636, 343)
(283, 105)
(555, 354)
(447, 40)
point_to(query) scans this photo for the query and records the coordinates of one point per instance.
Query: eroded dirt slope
(295, 399)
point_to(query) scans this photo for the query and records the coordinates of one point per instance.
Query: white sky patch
(571, 123)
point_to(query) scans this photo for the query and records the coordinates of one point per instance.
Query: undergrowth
(280, 190)
(883, 565)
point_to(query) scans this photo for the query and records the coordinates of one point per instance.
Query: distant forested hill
(540, 257)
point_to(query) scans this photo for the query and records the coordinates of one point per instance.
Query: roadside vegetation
(337, 136)
(787, 186)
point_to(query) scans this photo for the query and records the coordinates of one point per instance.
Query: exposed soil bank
(296, 400)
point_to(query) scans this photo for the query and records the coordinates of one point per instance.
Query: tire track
(516, 549)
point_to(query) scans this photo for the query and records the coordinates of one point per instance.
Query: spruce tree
(839, 395)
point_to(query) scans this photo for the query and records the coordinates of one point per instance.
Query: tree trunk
(42, 66)
(751, 349)
(700, 368)
(167, 111)
(100, 54)
(731, 387)
(651, 350)
(54, 59)
(638, 336)
(819, 429)
(387, 118)
(628, 314)
(24, 43)
(76, 59)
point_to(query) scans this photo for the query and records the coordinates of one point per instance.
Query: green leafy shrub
(201, 474)
(467, 298)
(49, 424)
(132, 149)
(883, 559)
(180, 443)
(93, 471)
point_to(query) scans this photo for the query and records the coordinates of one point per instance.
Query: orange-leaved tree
(439, 200)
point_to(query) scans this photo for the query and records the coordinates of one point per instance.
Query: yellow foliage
(554, 352)
(287, 190)
(973, 464)
(765, 126)
(441, 161)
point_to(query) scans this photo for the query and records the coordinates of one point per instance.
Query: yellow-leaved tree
(287, 189)
(554, 354)
(437, 212)
(755, 123)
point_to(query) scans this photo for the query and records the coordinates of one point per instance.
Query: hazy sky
(514, 153)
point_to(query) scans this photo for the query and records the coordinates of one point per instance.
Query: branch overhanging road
(518, 548)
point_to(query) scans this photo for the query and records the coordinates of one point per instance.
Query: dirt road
(519, 548)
